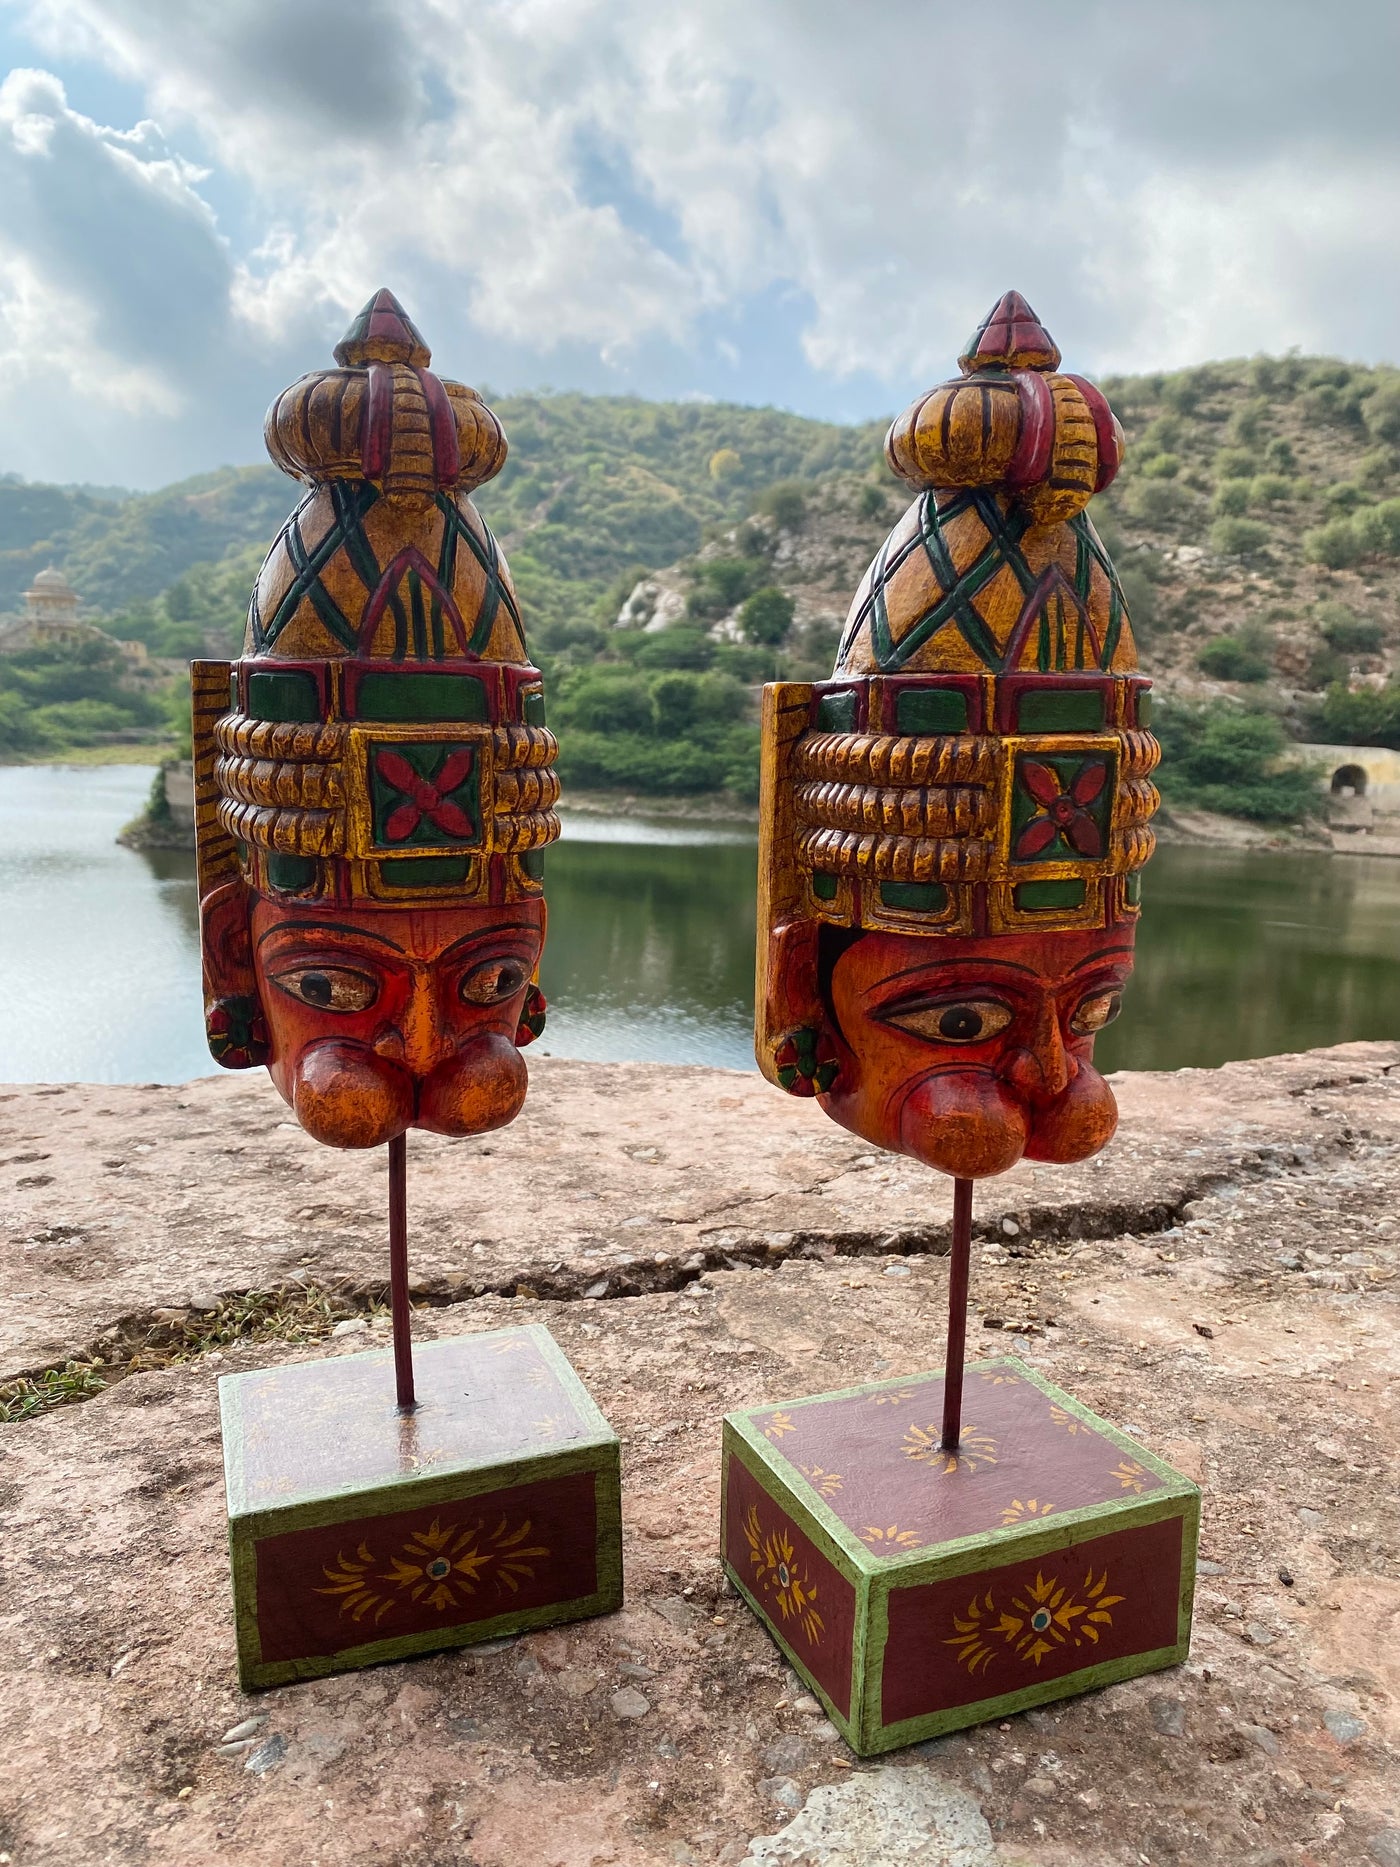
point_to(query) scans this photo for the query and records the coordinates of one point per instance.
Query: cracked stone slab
(890, 1817)
(125, 1738)
(616, 1179)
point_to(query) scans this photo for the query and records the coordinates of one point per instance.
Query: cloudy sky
(806, 202)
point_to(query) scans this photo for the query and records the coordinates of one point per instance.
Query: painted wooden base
(359, 1534)
(916, 1591)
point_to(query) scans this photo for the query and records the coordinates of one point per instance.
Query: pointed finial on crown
(384, 416)
(1011, 336)
(382, 332)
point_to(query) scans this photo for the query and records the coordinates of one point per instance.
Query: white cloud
(605, 177)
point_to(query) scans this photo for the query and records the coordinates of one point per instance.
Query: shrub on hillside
(1141, 598)
(720, 583)
(1341, 628)
(785, 504)
(1333, 544)
(1238, 538)
(1246, 425)
(1221, 758)
(1234, 658)
(23, 734)
(1373, 531)
(1268, 489)
(1279, 455)
(1161, 466)
(1231, 498)
(1162, 436)
(766, 616)
(1235, 463)
(872, 502)
(603, 700)
(676, 647)
(1158, 502)
(1370, 717)
(1343, 496)
(1377, 529)
(1381, 409)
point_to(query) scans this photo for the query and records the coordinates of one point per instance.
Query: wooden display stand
(917, 1591)
(360, 1532)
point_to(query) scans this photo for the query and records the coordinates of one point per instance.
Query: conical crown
(383, 738)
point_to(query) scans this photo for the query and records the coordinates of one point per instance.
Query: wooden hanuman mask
(374, 789)
(953, 824)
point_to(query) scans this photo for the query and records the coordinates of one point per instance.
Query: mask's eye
(494, 982)
(970, 1021)
(1095, 1013)
(329, 988)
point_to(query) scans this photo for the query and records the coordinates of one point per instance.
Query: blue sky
(802, 202)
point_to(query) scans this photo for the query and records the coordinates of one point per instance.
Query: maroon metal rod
(398, 1269)
(959, 1264)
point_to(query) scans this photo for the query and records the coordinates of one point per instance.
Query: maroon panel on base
(1000, 1630)
(810, 1603)
(374, 1578)
(874, 1458)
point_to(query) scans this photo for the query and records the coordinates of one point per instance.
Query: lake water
(650, 950)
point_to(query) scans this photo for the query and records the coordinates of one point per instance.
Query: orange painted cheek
(1078, 1123)
(346, 1096)
(964, 1122)
(479, 1088)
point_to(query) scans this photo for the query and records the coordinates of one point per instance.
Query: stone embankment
(1222, 1282)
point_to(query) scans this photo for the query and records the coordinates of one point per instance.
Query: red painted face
(970, 1053)
(400, 1018)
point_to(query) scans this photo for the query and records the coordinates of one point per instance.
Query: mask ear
(233, 1014)
(532, 1012)
(794, 1046)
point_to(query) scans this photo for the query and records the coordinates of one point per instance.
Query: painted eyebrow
(1094, 959)
(1003, 965)
(487, 933)
(340, 927)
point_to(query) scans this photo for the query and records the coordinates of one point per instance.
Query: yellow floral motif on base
(824, 1482)
(921, 1443)
(779, 1577)
(1130, 1475)
(441, 1567)
(891, 1538)
(779, 1424)
(1019, 1510)
(894, 1396)
(1040, 1619)
(1071, 1422)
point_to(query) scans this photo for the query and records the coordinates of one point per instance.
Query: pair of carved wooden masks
(952, 826)
(374, 783)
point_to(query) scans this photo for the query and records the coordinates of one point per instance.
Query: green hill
(671, 555)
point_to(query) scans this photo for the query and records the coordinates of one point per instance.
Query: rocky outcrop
(1221, 1282)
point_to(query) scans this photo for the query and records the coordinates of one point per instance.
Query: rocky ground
(1221, 1283)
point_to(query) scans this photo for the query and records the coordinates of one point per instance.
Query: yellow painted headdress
(382, 740)
(979, 761)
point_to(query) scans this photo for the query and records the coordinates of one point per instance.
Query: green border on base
(597, 1451)
(874, 1577)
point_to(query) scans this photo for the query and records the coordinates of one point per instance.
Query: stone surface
(886, 1817)
(616, 1179)
(117, 1683)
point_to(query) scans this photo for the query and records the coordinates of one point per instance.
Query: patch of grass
(55, 1387)
(291, 1313)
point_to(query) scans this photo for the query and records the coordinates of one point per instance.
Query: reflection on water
(99, 946)
(650, 950)
(1247, 954)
